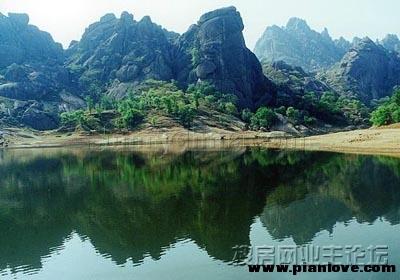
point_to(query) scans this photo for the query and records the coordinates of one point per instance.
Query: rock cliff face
(292, 82)
(219, 55)
(368, 71)
(23, 43)
(38, 79)
(297, 44)
(33, 80)
(124, 51)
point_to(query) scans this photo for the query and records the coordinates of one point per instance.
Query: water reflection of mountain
(338, 190)
(132, 204)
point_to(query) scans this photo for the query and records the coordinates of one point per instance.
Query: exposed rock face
(292, 82)
(38, 79)
(31, 69)
(297, 44)
(38, 118)
(24, 43)
(368, 71)
(123, 49)
(119, 51)
(218, 54)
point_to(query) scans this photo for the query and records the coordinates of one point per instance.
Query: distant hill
(297, 44)
(391, 42)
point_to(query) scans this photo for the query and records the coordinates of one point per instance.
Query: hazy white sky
(67, 19)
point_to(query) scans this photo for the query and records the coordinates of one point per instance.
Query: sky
(66, 20)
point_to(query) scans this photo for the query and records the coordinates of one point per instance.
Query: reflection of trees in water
(128, 204)
(133, 204)
(337, 190)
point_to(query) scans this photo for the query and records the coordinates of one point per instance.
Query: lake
(176, 213)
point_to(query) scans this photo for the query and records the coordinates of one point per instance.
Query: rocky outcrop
(38, 79)
(120, 51)
(23, 43)
(216, 52)
(292, 82)
(368, 71)
(297, 44)
(31, 72)
(116, 55)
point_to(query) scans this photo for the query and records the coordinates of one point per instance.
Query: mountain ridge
(39, 80)
(299, 45)
(115, 55)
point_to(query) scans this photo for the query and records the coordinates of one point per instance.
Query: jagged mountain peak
(325, 34)
(115, 51)
(295, 23)
(391, 42)
(299, 45)
(367, 71)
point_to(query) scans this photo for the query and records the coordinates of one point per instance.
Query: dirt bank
(369, 141)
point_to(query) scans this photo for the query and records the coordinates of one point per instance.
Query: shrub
(309, 120)
(131, 118)
(246, 115)
(73, 118)
(294, 115)
(186, 114)
(381, 116)
(388, 112)
(195, 56)
(230, 108)
(264, 117)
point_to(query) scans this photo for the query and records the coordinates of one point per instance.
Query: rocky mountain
(122, 49)
(34, 84)
(292, 82)
(297, 44)
(219, 55)
(367, 71)
(118, 54)
(391, 42)
(38, 79)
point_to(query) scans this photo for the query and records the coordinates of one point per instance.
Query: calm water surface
(120, 214)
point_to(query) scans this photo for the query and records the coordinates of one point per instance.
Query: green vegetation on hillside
(388, 112)
(263, 118)
(327, 107)
(158, 98)
(335, 109)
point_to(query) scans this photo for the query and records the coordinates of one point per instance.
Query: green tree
(264, 117)
(246, 115)
(381, 116)
(293, 114)
(195, 56)
(89, 103)
(186, 115)
(388, 112)
(230, 108)
(73, 118)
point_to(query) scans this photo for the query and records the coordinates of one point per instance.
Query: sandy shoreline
(383, 141)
